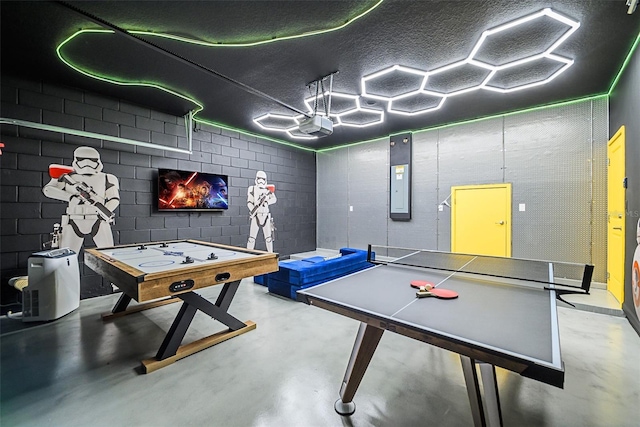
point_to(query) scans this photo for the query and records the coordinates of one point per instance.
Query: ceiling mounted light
(471, 60)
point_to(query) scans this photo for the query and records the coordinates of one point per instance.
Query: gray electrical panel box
(400, 177)
(400, 189)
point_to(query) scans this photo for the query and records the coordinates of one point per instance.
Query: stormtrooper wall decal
(259, 197)
(92, 195)
(635, 274)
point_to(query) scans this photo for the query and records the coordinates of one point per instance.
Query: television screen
(191, 191)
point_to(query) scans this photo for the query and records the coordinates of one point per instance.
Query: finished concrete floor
(81, 371)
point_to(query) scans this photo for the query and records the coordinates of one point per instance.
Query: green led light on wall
(255, 135)
(478, 119)
(259, 42)
(114, 80)
(200, 106)
(624, 65)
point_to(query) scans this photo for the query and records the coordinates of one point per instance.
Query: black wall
(28, 216)
(625, 110)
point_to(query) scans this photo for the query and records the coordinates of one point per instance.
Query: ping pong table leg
(365, 345)
(488, 414)
(473, 390)
(492, 400)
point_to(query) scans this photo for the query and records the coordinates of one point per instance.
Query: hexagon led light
(348, 111)
(440, 97)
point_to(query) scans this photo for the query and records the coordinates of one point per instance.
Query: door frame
(509, 211)
(617, 293)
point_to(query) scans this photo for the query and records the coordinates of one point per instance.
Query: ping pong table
(505, 316)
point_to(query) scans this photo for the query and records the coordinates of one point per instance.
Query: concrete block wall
(555, 159)
(27, 216)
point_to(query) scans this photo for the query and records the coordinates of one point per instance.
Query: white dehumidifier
(53, 288)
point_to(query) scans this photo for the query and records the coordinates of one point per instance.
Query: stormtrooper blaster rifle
(84, 191)
(261, 200)
(54, 243)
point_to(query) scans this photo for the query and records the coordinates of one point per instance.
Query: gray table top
(509, 317)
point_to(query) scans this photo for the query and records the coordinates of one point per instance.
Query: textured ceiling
(250, 61)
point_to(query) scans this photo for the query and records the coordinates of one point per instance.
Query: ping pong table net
(565, 277)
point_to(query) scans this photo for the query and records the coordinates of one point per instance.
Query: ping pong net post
(563, 277)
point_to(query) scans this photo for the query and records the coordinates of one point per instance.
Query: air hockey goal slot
(182, 285)
(222, 277)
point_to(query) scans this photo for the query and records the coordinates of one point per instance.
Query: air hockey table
(161, 273)
(504, 315)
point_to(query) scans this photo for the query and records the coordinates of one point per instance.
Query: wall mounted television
(191, 191)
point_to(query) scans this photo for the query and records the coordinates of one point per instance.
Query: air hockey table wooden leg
(365, 345)
(487, 413)
(171, 351)
(122, 306)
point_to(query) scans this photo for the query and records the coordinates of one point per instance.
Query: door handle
(617, 228)
(500, 222)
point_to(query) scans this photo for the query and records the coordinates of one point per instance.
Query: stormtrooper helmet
(86, 161)
(261, 179)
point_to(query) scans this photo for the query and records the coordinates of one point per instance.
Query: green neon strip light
(200, 106)
(255, 135)
(114, 80)
(624, 65)
(259, 42)
(479, 119)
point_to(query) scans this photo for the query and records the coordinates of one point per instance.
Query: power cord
(10, 304)
(14, 316)
(10, 314)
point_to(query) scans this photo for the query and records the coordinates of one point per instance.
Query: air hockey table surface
(154, 270)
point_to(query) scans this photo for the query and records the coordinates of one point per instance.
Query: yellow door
(616, 215)
(481, 219)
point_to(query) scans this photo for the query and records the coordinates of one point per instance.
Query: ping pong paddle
(438, 293)
(421, 283)
(271, 188)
